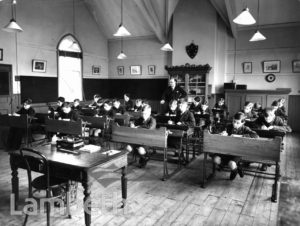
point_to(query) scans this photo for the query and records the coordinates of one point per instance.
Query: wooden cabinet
(193, 78)
(235, 99)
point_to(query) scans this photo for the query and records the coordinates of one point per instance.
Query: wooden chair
(34, 160)
(258, 150)
(144, 137)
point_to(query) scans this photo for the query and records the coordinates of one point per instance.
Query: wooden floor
(178, 201)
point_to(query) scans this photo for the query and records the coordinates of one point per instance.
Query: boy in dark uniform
(172, 109)
(15, 135)
(279, 110)
(146, 122)
(237, 128)
(128, 104)
(68, 114)
(106, 110)
(55, 114)
(196, 106)
(138, 105)
(76, 106)
(117, 109)
(95, 101)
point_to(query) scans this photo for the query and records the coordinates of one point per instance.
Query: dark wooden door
(5, 88)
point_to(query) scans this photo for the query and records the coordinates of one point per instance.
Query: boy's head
(97, 97)
(221, 101)
(60, 101)
(238, 120)
(269, 115)
(107, 105)
(248, 107)
(281, 101)
(27, 103)
(99, 102)
(172, 83)
(76, 102)
(257, 105)
(116, 103)
(126, 96)
(138, 102)
(183, 106)
(197, 100)
(275, 105)
(146, 111)
(66, 107)
(173, 105)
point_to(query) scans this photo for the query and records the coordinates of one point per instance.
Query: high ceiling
(147, 17)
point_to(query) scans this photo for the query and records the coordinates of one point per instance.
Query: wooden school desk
(74, 167)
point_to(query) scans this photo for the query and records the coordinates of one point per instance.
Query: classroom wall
(281, 44)
(142, 51)
(198, 21)
(44, 24)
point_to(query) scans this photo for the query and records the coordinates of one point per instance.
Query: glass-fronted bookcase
(193, 78)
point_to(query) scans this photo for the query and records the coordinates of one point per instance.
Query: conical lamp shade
(244, 18)
(122, 32)
(257, 37)
(167, 47)
(122, 56)
(12, 26)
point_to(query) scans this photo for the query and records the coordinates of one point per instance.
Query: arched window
(69, 68)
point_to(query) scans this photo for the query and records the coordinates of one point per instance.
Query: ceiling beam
(230, 12)
(147, 10)
(221, 11)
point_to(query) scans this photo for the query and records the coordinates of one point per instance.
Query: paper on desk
(90, 148)
(111, 152)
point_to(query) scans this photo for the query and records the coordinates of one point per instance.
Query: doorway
(5, 88)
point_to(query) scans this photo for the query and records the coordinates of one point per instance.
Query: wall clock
(270, 78)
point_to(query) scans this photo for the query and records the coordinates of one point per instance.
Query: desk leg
(15, 182)
(87, 198)
(204, 171)
(124, 185)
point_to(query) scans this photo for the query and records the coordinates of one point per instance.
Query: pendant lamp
(257, 35)
(166, 46)
(122, 55)
(122, 31)
(244, 18)
(12, 26)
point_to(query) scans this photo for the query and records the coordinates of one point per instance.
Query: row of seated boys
(244, 124)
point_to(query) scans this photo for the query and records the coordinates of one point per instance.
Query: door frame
(10, 95)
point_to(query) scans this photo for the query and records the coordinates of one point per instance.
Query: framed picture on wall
(39, 65)
(247, 67)
(1, 54)
(96, 70)
(271, 66)
(296, 65)
(151, 69)
(136, 70)
(120, 70)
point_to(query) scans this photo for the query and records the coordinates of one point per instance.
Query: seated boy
(55, 114)
(15, 135)
(76, 106)
(196, 105)
(279, 110)
(128, 104)
(106, 110)
(237, 128)
(95, 101)
(172, 109)
(148, 122)
(68, 114)
(220, 110)
(138, 105)
(117, 109)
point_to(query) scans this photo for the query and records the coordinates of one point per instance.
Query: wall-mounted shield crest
(191, 50)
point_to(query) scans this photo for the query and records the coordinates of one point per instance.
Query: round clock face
(270, 78)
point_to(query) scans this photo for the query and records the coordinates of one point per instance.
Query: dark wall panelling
(294, 112)
(39, 89)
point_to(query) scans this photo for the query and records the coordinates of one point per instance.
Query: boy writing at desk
(146, 121)
(237, 128)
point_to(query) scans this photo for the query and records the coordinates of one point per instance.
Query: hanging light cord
(74, 17)
(121, 12)
(257, 14)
